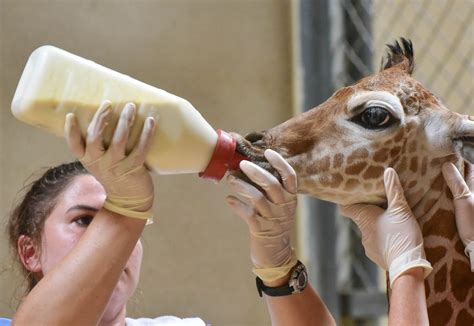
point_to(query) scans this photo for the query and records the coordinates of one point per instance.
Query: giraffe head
(340, 148)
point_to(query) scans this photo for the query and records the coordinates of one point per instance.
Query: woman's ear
(29, 254)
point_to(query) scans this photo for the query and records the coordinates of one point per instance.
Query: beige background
(231, 59)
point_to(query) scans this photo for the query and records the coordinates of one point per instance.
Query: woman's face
(75, 208)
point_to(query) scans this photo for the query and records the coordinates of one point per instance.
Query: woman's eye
(374, 117)
(84, 220)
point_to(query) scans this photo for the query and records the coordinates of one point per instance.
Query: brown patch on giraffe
(381, 155)
(412, 184)
(442, 223)
(459, 246)
(424, 165)
(440, 313)
(471, 302)
(395, 151)
(338, 160)
(435, 254)
(464, 318)
(373, 172)
(319, 166)
(429, 204)
(427, 289)
(414, 164)
(462, 280)
(356, 168)
(438, 183)
(360, 153)
(441, 278)
(351, 184)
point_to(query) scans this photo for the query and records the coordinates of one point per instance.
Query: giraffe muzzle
(465, 147)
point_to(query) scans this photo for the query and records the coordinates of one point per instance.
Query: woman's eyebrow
(83, 207)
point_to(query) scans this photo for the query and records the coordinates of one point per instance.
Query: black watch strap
(279, 291)
(296, 283)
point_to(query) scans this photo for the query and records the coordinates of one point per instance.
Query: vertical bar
(316, 68)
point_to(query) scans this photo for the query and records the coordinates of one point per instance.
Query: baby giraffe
(341, 148)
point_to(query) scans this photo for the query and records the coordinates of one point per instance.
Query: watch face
(299, 279)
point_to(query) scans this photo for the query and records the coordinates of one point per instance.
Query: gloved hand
(270, 215)
(392, 238)
(126, 181)
(463, 204)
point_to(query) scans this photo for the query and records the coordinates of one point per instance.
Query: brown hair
(28, 217)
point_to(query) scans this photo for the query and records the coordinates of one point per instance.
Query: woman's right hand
(463, 195)
(126, 180)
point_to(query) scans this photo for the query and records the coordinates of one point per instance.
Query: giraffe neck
(450, 286)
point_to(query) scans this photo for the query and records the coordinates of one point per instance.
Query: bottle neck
(223, 159)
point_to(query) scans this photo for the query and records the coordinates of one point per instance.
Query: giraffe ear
(399, 55)
(464, 139)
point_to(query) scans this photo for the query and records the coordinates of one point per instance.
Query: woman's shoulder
(164, 321)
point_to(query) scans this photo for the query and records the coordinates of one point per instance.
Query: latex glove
(391, 238)
(126, 181)
(269, 215)
(463, 204)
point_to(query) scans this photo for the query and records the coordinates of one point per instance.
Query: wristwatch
(296, 284)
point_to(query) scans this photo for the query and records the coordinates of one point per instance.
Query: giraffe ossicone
(341, 148)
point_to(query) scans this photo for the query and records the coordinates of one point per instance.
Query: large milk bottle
(55, 82)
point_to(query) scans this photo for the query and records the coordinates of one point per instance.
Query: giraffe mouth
(253, 146)
(465, 147)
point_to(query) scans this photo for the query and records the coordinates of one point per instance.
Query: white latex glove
(463, 204)
(126, 181)
(392, 238)
(270, 215)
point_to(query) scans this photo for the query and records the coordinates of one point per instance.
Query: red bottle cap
(223, 159)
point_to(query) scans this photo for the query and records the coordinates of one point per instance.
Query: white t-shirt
(165, 321)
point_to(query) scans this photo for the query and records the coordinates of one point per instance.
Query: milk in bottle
(55, 82)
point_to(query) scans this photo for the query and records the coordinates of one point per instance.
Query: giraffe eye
(374, 117)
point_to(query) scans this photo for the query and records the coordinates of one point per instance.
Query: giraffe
(340, 149)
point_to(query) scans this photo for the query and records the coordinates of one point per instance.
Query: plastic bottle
(55, 82)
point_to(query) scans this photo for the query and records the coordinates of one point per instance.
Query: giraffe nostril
(254, 137)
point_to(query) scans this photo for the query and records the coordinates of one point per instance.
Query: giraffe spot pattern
(338, 160)
(412, 184)
(413, 146)
(424, 165)
(462, 280)
(459, 246)
(381, 155)
(351, 184)
(441, 279)
(395, 151)
(373, 172)
(464, 318)
(356, 168)
(438, 183)
(358, 154)
(435, 254)
(319, 166)
(368, 186)
(440, 313)
(442, 223)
